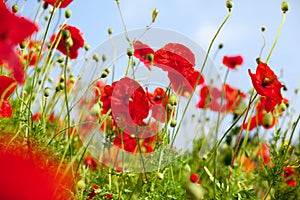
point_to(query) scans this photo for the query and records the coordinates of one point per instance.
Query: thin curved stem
(277, 36)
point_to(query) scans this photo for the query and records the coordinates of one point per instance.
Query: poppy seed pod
(285, 6)
(130, 52)
(15, 8)
(229, 4)
(110, 31)
(95, 110)
(154, 14)
(173, 100)
(96, 57)
(47, 92)
(68, 13)
(267, 120)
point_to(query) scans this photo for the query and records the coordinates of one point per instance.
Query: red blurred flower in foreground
(141, 52)
(289, 173)
(232, 62)
(7, 87)
(266, 84)
(59, 3)
(70, 41)
(34, 171)
(13, 31)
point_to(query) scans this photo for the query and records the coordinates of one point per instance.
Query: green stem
(36, 67)
(213, 40)
(202, 68)
(277, 36)
(240, 135)
(217, 130)
(66, 97)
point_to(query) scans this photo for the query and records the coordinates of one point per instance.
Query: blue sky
(199, 20)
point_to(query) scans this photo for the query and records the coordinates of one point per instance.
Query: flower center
(266, 81)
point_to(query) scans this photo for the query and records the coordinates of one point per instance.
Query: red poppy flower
(253, 122)
(59, 3)
(129, 103)
(63, 46)
(232, 62)
(232, 97)
(194, 178)
(90, 162)
(93, 192)
(13, 30)
(264, 152)
(7, 87)
(266, 84)
(141, 51)
(174, 56)
(289, 173)
(129, 143)
(158, 102)
(109, 196)
(179, 62)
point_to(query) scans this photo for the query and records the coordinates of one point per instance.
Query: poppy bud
(159, 175)
(173, 100)
(96, 57)
(173, 123)
(154, 14)
(267, 120)
(104, 58)
(61, 86)
(66, 34)
(130, 51)
(46, 92)
(45, 6)
(80, 184)
(263, 28)
(285, 6)
(282, 106)
(60, 59)
(15, 8)
(68, 13)
(150, 57)
(258, 60)
(107, 70)
(69, 42)
(72, 80)
(186, 168)
(95, 110)
(220, 45)
(110, 31)
(104, 74)
(229, 4)
(86, 47)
